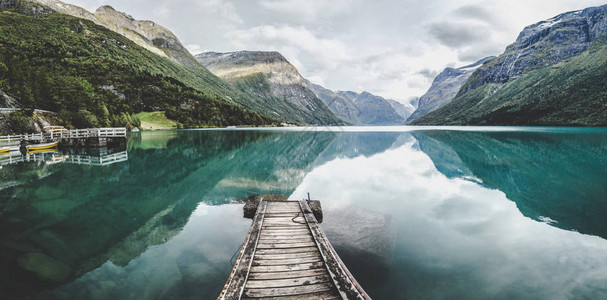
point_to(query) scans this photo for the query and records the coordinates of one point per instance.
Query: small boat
(52, 150)
(5, 149)
(41, 146)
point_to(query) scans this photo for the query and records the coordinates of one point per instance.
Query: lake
(414, 212)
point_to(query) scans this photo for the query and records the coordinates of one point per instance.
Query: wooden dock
(54, 157)
(286, 255)
(95, 137)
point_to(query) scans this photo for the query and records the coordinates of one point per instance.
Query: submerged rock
(44, 266)
(361, 235)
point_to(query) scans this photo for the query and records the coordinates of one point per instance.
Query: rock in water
(44, 266)
(361, 234)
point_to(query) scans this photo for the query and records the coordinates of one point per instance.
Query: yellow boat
(43, 151)
(5, 149)
(42, 146)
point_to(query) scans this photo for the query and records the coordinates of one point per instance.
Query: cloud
(309, 9)
(479, 51)
(457, 35)
(224, 9)
(162, 10)
(477, 12)
(194, 48)
(417, 83)
(427, 73)
(457, 225)
(293, 42)
(316, 79)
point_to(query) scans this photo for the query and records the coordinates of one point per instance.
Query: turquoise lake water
(414, 212)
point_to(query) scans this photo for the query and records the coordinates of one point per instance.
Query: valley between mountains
(105, 68)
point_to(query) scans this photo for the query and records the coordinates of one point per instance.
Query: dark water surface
(499, 213)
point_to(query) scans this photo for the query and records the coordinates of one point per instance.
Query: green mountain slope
(261, 98)
(271, 85)
(554, 74)
(570, 93)
(95, 77)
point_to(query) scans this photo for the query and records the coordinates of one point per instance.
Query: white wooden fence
(18, 138)
(56, 157)
(89, 132)
(103, 160)
(71, 134)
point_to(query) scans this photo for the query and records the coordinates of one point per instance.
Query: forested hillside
(95, 77)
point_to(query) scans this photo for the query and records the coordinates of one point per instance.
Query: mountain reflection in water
(439, 214)
(558, 178)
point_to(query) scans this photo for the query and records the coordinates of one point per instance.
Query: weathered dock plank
(286, 256)
(288, 245)
(289, 237)
(269, 283)
(319, 296)
(286, 275)
(347, 285)
(291, 267)
(289, 250)
(277, 262)
(234, 287)
(288, 291)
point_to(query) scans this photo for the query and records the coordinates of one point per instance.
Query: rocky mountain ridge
(363, 108)
(403, 110)
(554, 74)
(147, 34)
(444, 88)
(374, 110)
(341, 106)
(544, 44)
(273, 81)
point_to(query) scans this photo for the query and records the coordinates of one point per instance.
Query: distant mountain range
(102, 73)
(270, 77)
(554, 74)
(444, 88)
(363, 108)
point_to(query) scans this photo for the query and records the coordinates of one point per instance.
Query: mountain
(374, 110)
(554, 74)
(272, 84)
(401, 109)
(146, 34)
(94, 77)
(444, 88)
(150, 36)
(342, 107)
(363, 108)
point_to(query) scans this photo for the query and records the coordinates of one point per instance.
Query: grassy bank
(155, 120)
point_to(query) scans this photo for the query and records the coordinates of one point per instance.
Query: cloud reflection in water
(457, 238)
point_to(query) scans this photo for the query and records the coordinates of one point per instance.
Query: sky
(386, 47)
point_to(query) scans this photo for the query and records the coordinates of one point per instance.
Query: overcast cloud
(386, 47)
